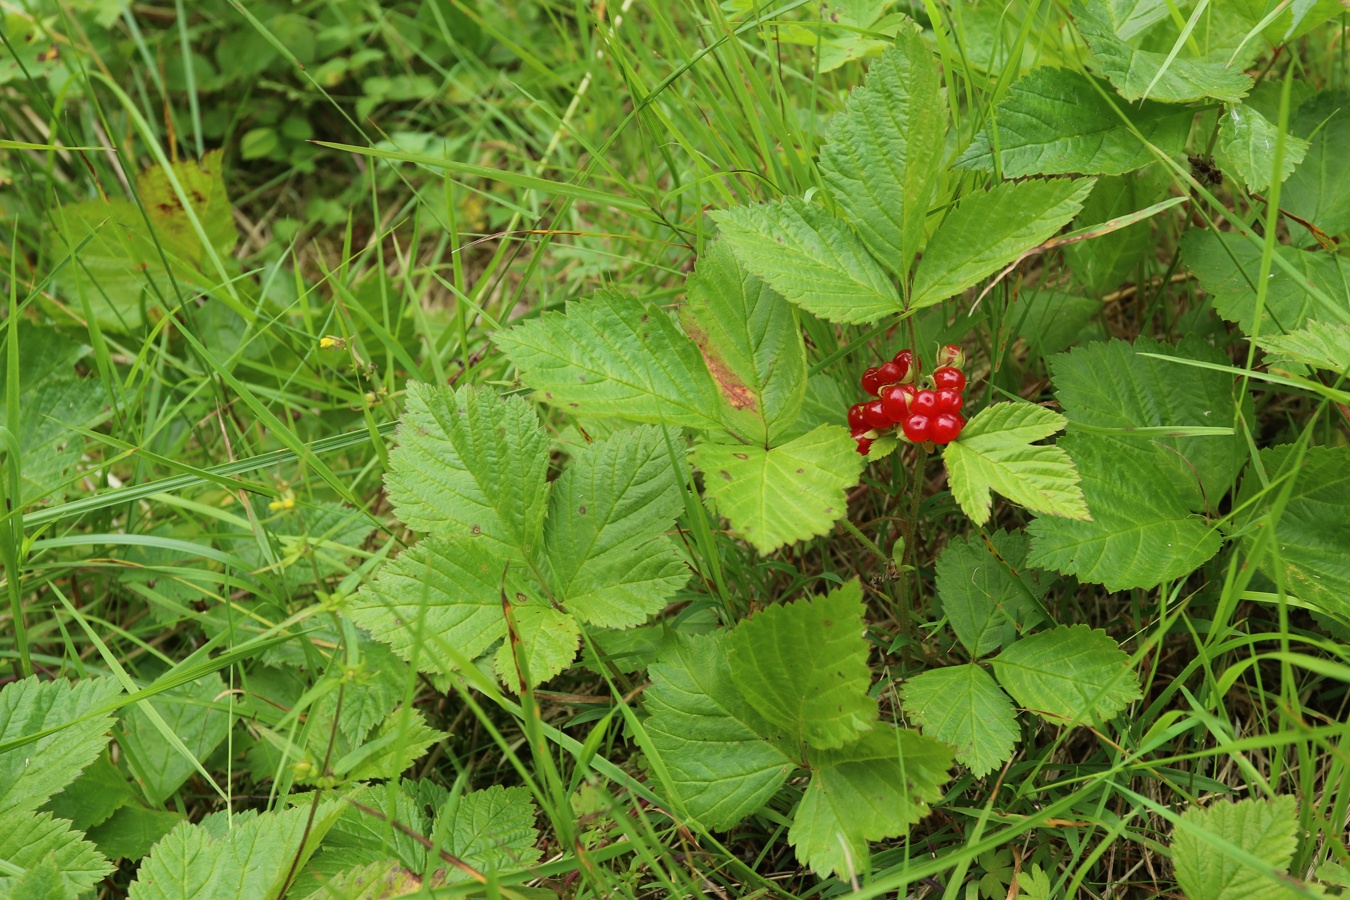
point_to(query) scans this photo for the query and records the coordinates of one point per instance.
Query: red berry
(864, 445)
(896, 400)
(951, 355)
(949, 400)
(918, 428)
(946, 427)
(949, 377)
(875, 416)
(871, 380)
(890, 373)
(856, 421)
(905, 360)
(925, 402)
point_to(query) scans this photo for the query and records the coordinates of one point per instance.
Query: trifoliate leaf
(790, 493)
(1135, 72)
(811, 258)
(614, 355)
(1319, 189)
(989, 229)
(1248, 140)
(1322, 345)
(883, 153)
(607, 556)
(192, 713)
(872, 789)
(27, 839)
(548, 637)
(1055, 122)
(988, 593)
(995, 452)
(748, 335)
(470, 462)
(1069, 676)
(964, 707)
(255, 857)
(32, 773)
(1307, 552)
(710, 740)
(803, 667)
(1262, 830)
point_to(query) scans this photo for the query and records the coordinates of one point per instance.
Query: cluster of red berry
(924, 416)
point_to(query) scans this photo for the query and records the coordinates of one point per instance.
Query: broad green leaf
(848, 30)
(790, 493)
(1143, 530)
(132, 831)
(988, 595)
(1054, 122)
(1248, 140)
(1050, 320)
(1228, 267)
(1069, 676)
(1292, 21)
(446, 591)
(27, 839)
(549, 638)
(470, 462)
(1319, 189)
(359, 838)
(379, 880)
(1134, 71)
(492, 830)
(883, 152)
(1102, 264)
(1307, 553)
(803, 667)
(964, 707)
(203, 181)
(98, 793)
(254, 857)
(870, 790)
(190, 711)
(990, 229)
(614, 355)
(709, 739)
(1264, 830)
(42, 881)
(749, 338)
(608, 559)
(50, 447)
(31, 774)
(1322, 345)
(995, 453)
(397, 743)
(811, 258)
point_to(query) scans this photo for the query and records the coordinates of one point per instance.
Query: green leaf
(1264, 830)
(870, 790)
(1322, 345)
(606, 553)
(1135, 71)
(1248, 140)
(42, 881)
(790, 493)
(613, 355)
(379, 880)
(803, 667)
(883, 154)
(1145, 489)
(53, 404)
(750, 341)
(1306, 553)
(549, 638)
(470, 462)
(254, 857)
(811, 258)
(995, 452)
(964, 707)
(28, 839)
(189, 712)
(708, 737)
(492, 830)
(1051, 320)
(1228, 267)
(98, 793)
(31, 774)
(399, 741)
(1054, 122)
(989, 229)
(1319, 189)
(358, 838)
(132, 831)
(1069, 676)
(1103, 264)
(446, 591)
(986, 597)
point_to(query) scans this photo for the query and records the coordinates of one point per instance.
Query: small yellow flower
(328, 342)
(287, 502)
